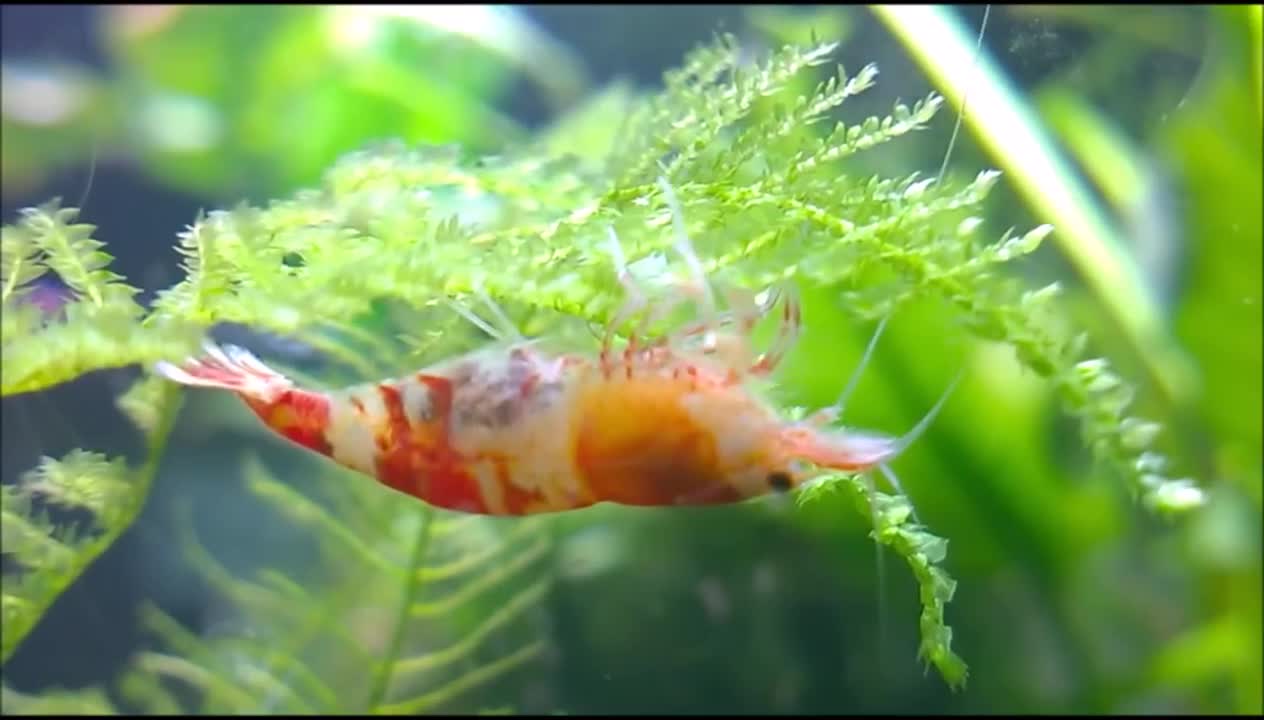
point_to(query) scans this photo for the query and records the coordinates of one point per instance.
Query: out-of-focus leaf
(88, 701)
(1215, 142)
(277, 93)
(1215, 139)
(1132, 183)
(505, 32)
(232, 100)
(591, 130)
(50, 116)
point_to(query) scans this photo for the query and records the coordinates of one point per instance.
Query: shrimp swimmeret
(514, 429)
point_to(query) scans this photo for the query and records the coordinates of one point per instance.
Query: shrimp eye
(779, 481)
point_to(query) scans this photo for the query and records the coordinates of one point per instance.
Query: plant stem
(382, 674)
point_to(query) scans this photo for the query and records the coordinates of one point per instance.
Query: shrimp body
(519, 431)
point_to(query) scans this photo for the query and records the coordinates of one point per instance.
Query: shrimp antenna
(510, 329)
(685, 247)
(500, 329)
(912, 435)
(92, 170)
(965, 97)
(616, 252)
(845, 395)
(635, 300)
(475, 320)
(899, 445)
(919, 429)
(835, 411)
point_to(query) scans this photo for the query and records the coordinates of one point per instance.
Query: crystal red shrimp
(477, 434)
(514, 430)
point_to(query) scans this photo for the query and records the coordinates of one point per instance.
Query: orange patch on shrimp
(637, 445)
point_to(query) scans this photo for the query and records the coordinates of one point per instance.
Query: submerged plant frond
(60, 516)
(923, 551)
(49, 555)
(390, 629)
(99, 326)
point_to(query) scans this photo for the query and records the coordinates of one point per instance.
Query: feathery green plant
(764, 200)
(385, 625)
(96, 497)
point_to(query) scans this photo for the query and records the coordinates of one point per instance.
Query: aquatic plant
(395, 229)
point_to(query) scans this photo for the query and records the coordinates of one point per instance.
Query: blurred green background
(1071, 596)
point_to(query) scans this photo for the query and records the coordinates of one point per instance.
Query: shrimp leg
(788, 330)
(743, 312)
(507, 327)
(636, 302)
(502, 329)
(791, 323)
(685, 247)
(632, 304)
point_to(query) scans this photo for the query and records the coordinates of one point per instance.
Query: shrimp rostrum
(514, 429)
